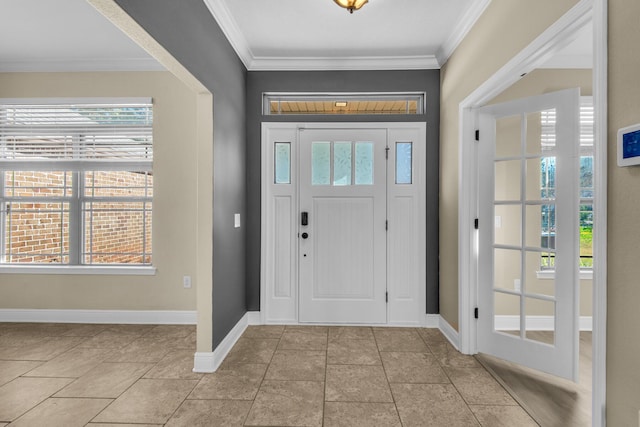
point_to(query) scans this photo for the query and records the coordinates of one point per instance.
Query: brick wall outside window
(115, 231)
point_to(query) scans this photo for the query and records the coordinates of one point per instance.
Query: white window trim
(118, 270)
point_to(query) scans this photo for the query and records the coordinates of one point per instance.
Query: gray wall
(189, 32)
(340, 81)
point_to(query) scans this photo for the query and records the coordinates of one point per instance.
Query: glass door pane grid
(522, 158)
(359, 163)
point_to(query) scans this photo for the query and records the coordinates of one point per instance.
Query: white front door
(528, 253)
(342, 225)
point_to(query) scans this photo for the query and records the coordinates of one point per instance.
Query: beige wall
(496, 38)
(535, 83)
(623, 287)
(175, 199)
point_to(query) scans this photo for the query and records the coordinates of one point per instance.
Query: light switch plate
(236, 220)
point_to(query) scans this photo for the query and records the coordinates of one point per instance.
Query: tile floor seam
(324, 389)
(184, 399)
(393, 398)
(124, 391)
(253, 401)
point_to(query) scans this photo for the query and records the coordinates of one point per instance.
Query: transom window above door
(405, 103)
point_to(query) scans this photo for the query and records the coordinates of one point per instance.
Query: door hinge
(386, 225)
(475, 223)
(386, 297)
(386, 153)
(477, 134)
(475, 312)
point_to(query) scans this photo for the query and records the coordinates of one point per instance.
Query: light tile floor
(117, 375)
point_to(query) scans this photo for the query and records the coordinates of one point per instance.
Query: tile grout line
(393, 398)
(453, 385)
(244, 422)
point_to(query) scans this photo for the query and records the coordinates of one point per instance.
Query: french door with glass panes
(528, 183)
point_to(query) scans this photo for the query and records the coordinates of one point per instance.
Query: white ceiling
(318, 34)
(64, 35)
(70, 35)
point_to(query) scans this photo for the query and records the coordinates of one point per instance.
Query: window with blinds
(76, 181)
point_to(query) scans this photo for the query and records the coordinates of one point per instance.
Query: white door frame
(542, 48)
(279, 301)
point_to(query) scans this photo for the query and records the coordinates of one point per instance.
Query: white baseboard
(432, 321)
(203, 362)
(166, 317)
(254, 318)
(537, 323)
(209, 362)
(449, 332)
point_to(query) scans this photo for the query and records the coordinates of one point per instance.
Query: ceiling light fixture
(341, 103)
(351, 5)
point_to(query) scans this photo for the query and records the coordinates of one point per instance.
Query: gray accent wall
(189, 32)
(427, 81)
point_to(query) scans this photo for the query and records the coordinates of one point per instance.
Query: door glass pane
(586, 177)
(320, 163)
(541, 131)
(508, 137)
(534, 133)
(403, 162)
(541, 226)
(283, 163)
(507, 180)
(541, 178)
(506, 306)
(543, 136)
(364, 163)
(586, 236)
(534, 285)
(342, 163)
(540, 320)
(507, 270)
(508, 219)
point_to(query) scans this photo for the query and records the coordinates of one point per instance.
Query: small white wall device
(629, 146)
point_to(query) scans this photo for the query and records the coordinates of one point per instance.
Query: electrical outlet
(186, 282)
(516, 285)
(236, 220)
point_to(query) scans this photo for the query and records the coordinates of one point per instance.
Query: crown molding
(85, 65)
(344, 63)
(461, 29)
(229, 27)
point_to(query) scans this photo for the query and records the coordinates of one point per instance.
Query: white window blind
(76, 136)
(548, 123)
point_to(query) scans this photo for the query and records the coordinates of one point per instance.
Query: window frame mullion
(75, 219)
(3, 218)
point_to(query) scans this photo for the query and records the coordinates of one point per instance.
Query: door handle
(305, 235)
(304, 218)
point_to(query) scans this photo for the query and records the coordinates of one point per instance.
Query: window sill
(551, 274)
(115, 270)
